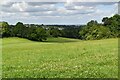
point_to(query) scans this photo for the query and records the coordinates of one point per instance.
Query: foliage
(40, 34)
(5, 29)
(94, 32)
(70, 32)
(110, 28)
(54, 32)
(114, 24)
(19, 30)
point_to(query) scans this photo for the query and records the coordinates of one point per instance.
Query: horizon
(42, 23)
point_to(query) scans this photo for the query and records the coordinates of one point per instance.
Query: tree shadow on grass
(60, 41)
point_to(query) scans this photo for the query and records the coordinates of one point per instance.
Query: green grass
(0, 58)
(60, 58)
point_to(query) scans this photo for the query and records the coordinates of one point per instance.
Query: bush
(95, 33)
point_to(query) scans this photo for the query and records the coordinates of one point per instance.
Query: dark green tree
(92, 22)
(41, 34)
(94, 31)
(54, 32)
(36, 33)
(20, 30)
(5, 30)
(113, 23)
(70, 32)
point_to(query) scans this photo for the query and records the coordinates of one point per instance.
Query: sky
(56, 12)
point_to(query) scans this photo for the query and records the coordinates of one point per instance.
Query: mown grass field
(59, 58)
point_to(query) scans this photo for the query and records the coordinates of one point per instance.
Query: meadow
(59, 58)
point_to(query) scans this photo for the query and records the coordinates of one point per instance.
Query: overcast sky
(66, 12)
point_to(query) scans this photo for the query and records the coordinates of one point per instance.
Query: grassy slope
(0, 58)
(60, 57)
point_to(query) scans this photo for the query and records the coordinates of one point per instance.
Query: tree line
(109, 28)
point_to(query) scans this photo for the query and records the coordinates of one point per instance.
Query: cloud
(57, 11)
(4, 2)
(62, 0)
(27, 7)
(47, 9)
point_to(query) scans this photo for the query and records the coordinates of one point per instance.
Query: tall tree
(113, 23)
(20, 30)
(54, 32)
(5, 31)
